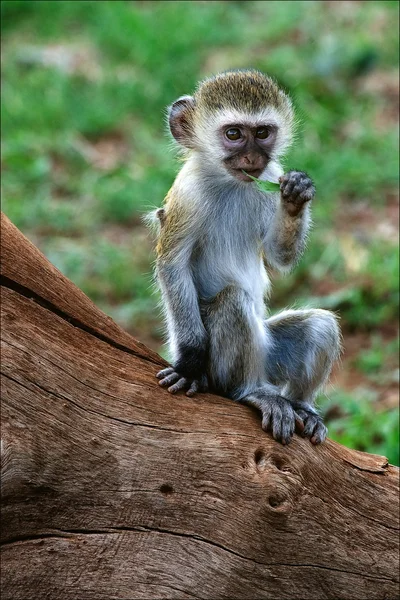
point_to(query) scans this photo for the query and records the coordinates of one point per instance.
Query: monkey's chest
(221, 260)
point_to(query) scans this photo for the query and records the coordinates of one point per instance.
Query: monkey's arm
(187, 335)
(286, 232)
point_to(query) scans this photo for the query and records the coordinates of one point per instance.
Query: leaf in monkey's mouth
(265, 186)
(270, 177)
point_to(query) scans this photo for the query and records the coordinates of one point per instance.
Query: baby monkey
(217, 232)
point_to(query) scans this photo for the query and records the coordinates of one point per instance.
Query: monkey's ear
(180, 118)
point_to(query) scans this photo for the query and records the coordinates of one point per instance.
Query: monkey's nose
(253, 160)
(252, 163)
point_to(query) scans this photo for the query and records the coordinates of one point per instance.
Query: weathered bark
(114, 489)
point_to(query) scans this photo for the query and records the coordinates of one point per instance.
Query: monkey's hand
(314, 428)
(296, 190)
(170, 377)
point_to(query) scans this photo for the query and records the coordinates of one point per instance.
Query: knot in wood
(279, 501)
(272, 461)
(166, 489)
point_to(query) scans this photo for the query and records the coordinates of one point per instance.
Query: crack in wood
(70, 533)
(31, 295)
(384, 465)
(91, 387)
(100, 414)
(95, 412)
(166, 585)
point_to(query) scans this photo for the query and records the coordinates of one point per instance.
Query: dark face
(247, 148)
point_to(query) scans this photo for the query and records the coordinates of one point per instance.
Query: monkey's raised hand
(175, 381)
(297, 189)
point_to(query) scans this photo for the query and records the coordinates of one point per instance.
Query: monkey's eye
(262, 133)
(233, 134)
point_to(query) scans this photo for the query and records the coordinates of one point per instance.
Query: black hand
(188, 372)
(296, 190)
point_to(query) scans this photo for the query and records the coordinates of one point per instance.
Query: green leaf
(264, 186)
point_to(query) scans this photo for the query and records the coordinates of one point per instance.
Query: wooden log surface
(112, 488)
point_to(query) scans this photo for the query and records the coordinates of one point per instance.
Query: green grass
(358, 423)
(84, 151)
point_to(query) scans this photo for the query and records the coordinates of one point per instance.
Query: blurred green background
(84, 154)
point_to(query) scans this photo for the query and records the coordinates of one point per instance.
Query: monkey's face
(235, 122)
(248, 149)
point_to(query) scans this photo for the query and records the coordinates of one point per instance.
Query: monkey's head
(237, 121)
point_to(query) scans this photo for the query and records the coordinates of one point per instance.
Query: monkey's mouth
(243, 174)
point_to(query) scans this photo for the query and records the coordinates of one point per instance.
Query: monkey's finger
(164, 373)
(286, 177)
(288, 424)
(193, 389)
(287, 188)
(297, 192)
(277, 429)
(266, 419)
(292, 427)
(309, 426)
(287, 430)
(301, 413)
(299, 423)
(179, 385)
(169, 379)
(281, 427)
(307, 193)
(319, 433)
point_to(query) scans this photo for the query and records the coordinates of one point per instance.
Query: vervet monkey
(217, 231)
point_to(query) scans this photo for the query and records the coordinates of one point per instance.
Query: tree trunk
(112, 488)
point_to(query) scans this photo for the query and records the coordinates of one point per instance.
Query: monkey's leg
(304, 346)
(236, 362)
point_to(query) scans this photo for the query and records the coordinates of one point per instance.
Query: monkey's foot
(314, 427)
(175, 382)
(278, 415)
(296, 189)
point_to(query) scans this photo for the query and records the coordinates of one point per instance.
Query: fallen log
(111, 488)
